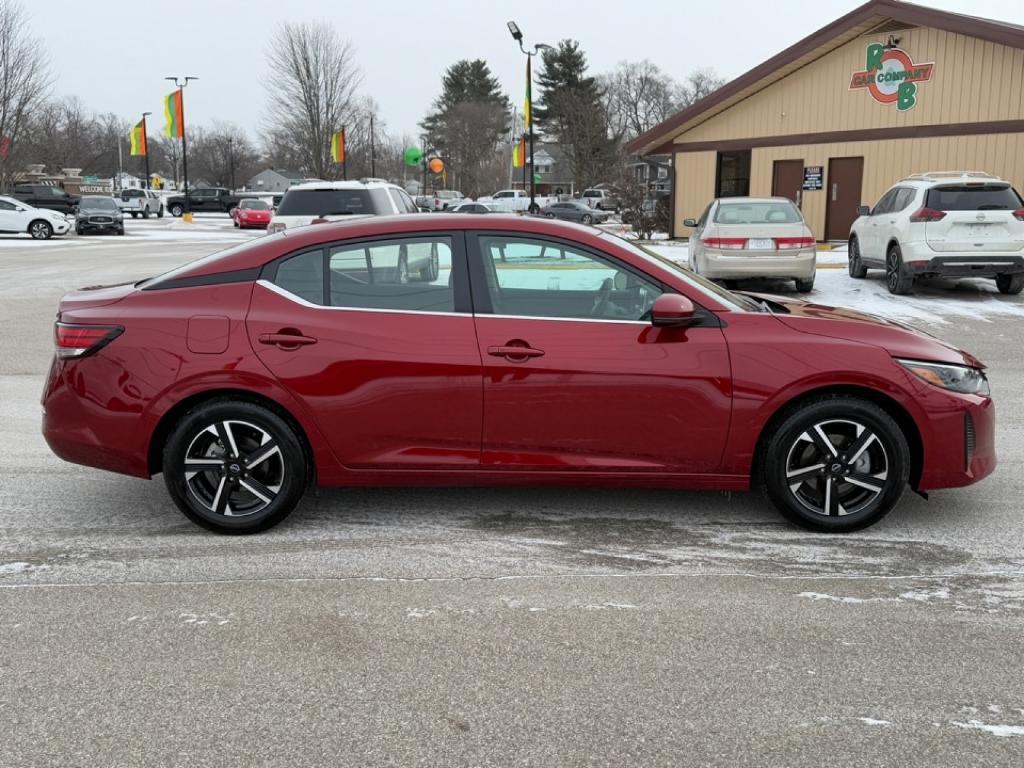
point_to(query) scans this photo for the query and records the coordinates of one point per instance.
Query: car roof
(731, 200)
(343, 185)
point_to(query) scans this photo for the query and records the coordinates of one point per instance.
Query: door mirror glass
(671, 309)
(689, 222)
(863, 210)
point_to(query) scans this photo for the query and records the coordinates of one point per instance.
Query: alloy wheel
(234, 468)
(40, 230)
(837, 467)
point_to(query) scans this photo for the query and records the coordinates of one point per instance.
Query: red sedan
(536, 352)
(251, 214)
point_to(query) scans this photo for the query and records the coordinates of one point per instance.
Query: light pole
(184, 144)
(231, 161)
(145, 143)
(513, 28)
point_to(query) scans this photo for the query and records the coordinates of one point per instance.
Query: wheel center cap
(235, 469)
(836, 468)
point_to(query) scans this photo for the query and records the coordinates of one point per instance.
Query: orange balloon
(436, 165)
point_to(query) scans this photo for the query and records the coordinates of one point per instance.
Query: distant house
(271, 180)
(654, 171)
(553, 170)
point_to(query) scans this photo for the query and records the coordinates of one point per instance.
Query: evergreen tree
(469, 121)
(570, 110)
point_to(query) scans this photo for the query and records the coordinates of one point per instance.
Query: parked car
(512, 200)
(745, 237)
(574, 210)
(942, 224)
(302, 359)
(600, 198)
(46, 196)
(141, 202)
(471, 207)
(17, 216)
(321, 201)
(445, 198)
(252, 213)
(216, 199)
(98, 213)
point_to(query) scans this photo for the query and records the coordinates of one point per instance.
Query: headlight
(956, 378)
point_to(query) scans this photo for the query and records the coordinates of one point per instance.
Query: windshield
(967, 197)
(321, 202)
(776, 212)
(256, 205)
(702, 284)
(98, 204)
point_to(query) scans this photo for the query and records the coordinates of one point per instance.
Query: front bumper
(960, 449)
(747, 264)
(60, 226)
(87, 225)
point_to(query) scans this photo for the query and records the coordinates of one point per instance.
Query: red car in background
(252, 214)
(539, 352)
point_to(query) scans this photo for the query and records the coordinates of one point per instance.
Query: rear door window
(973, 197)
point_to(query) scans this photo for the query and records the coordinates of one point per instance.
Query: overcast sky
(114, 54)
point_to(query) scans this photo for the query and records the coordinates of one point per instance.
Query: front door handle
(516, 353)
(286, 340)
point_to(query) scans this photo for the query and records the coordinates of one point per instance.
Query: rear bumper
(742, 264)
(919, 260)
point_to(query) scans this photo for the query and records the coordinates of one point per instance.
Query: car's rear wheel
(804, 285)
(1010, 284)
(145, 213)
(896, 278)
(234, 467)
(837, 464)
(176, 210)
(40, 230)
(160, 212)
(855, 266)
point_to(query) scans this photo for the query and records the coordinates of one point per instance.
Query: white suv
(949, 224)
(320, 201)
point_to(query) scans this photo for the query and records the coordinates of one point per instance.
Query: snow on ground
(933, 301)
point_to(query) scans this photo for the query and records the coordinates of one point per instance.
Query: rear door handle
(283, 340)
(514, 352)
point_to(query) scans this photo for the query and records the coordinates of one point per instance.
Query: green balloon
(537, 179)
(413, 156)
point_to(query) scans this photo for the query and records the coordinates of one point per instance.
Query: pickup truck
(207, 199)
(141, 202)
(510, 200)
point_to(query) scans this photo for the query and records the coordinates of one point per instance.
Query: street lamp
(517, 35)
(145, 136)
(184, 145)
(231, 161)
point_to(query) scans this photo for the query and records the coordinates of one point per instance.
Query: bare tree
(697, 85)
(24, 82)
(312, 84)
(638, 96)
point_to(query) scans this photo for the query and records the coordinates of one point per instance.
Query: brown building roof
(873, 16)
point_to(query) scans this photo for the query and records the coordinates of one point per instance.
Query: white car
(512, 200)
(750, 237)
(319, 201)
(42, 223)
(948, 224)
(141, 202)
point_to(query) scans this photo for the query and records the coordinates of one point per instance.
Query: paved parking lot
(496, 627)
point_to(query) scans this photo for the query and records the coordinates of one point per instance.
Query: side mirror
(689, 223)
(671, 310)
(863, 210)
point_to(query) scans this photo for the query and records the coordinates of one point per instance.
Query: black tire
(40, 230)
(854, 265)
(135, 214)
(145, 213)
(196, 493)
(549, 215)
(1010, 284)
(586, 218)
(160, 212)
(120, 231)
(804, 285)
(79, 231)
(796, 450)
(176, 210)
(896, 278)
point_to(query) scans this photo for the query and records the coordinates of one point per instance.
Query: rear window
(329, 202)
(757, 213)
(971, 197)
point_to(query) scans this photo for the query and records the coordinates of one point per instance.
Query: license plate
(761, 244)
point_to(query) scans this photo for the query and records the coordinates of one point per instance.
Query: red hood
(897, 339)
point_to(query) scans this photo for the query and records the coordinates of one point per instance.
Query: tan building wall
(885, 162)
(973, 81)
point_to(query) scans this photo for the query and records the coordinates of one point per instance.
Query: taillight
(1019, 214)
(81, 340)
(276, 226)
(927, 214)
(785, 243)
(725, 243)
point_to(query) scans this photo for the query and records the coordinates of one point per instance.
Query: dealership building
(888, 90)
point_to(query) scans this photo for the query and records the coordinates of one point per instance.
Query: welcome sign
(891, 76)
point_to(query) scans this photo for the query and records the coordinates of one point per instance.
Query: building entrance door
(788, 179)
(844, 184)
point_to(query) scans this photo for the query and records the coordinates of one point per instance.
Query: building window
(733, 176)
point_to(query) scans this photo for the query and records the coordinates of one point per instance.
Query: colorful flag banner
(338, 147)
(527, 117)
(175, 115)
(137, 137)
(519, 153)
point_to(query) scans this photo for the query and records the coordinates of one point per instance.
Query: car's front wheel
(836, 464)
(1010, 284)
(234, 467)
(587, 219)
(40, 230)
